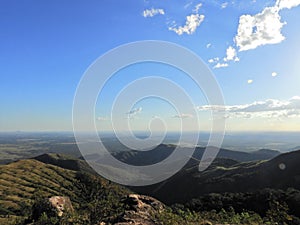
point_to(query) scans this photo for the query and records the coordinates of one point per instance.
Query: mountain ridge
(280, 172)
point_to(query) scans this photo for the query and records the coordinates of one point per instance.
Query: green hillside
(25, 183)
(20, 180)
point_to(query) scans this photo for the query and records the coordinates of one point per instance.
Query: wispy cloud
(183, 116)
(101, 118)
(197, 8)
(135, 111)
(221, 65)
(208, 45)
(132, 113)
(224, 5)
(153, 12)
(270, 108)
(187, 5)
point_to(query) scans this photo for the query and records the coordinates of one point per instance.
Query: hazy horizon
(239, 141)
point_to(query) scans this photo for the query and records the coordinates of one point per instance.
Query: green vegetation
(25, 186)
(266, 206)
(185, 216)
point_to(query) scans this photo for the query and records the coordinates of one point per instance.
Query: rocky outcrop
(140, 210)
(61, 204)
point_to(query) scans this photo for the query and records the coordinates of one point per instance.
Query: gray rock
(61, 204)
(140, 210)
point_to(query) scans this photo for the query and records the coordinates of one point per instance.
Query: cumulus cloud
(214, 60)
(270, 108)
(257, 30)
(274, 74)
(261, 29)
(208, 45)
(249, 81)
(192, 22)
(153, 12)
(183, 116)
(287, 4)
(231, 55)
(221, 65)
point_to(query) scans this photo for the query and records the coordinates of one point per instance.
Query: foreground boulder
(140, 210)
(55, 206)
(61, 204)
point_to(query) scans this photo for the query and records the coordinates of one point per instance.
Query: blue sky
(45, 48)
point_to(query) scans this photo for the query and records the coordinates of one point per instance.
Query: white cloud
(197, 8)
(256, 30)
(263, 28)
(274, 74)
(260, 29)
(192, 22)
(287, 4)
(134, 112)
(224, 5)
(231, 55)
(249, 81)
(270, 108)
(214, 60)
(221, 65)
(153, 12)
(208, 45)
(211, 107)
(187, 5)
(183, 116)
(101, 118)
